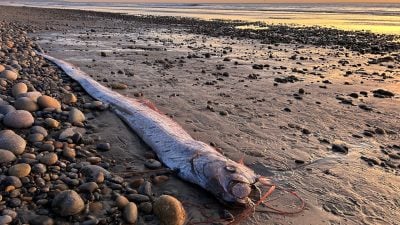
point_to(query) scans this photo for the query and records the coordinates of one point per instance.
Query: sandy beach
(318, 116)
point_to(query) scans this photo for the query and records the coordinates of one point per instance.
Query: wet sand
(283, 107)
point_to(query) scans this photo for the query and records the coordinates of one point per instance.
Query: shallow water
(377, 18)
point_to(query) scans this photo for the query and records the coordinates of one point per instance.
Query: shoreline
(284, 108)
(361, 41)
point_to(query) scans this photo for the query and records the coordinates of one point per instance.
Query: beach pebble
(68, 203)
(19, 88)
(340, 148)
(20, 170)
(152, 164)
(2, 68)
(12, 142)
(69, 98)
(121, 201)
(94, 173)
(6, 219)
(12, 181)
(35, 137)
(76, 116)
(41, 220)
(49, 158)
(51, 123)
(6, 156)
(169, 210)
(45, 101)
(103, 146)
(5, 109)
(69, 153)
(9, 75)
(25, 103)
(34, 95)
(18, 119)
(38, 130)
(88, 187)
(130, 213)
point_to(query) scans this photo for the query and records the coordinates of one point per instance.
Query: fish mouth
(240, 191)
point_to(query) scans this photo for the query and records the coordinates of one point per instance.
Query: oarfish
(193, 160)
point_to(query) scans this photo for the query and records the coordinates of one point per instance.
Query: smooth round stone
(20, 170)
(76, 116)
(9, 75)
(88, 187)
(12, 181)
(6, 219)
(18, 119)
(12, 142)
(51, 123)
(6, 156)
(169, 210)
(35, 137)
(41, 220)
(130, 213)
(146, 207)
(152, 164)
(68, 203)
(19, 88)
(5, 109)
(39, 168)
(25, 103)
(121, 201)
(2, 68)
(49, 158)
(94, 173)
(45, 101)
(39, 130)
(69, 98)
(69, 153)
(34, 95)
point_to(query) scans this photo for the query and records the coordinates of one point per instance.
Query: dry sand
(272, 127)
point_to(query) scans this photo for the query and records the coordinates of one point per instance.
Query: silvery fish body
(194, 161)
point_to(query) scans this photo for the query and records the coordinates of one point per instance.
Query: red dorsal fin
(241, 160)
(149, 104)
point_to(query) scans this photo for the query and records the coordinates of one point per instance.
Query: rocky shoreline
(51, 170)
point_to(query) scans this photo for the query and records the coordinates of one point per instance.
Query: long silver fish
(193, 160)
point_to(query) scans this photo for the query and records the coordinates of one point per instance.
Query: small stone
(18, 119)
(51, 123)
(5, 109)
(160, 179)
(39, 130)
(69, 153)
(130, 213)
(76, 116)
(88, 187)
(49, 159)
(41, 220)
(103, 147)
(20, 170)
(6, 156)
(33, 95)
(146, 207)
(69, 98)
(152, 164)
(169, 210)
(121, 201)
(94, 173)
(119, 86)
(12, 181)
(6, 219)
(37, 137)
(12, 142)
(25, 103)
(19, 88)
(9, 75)
(68, 203)
(45, 101)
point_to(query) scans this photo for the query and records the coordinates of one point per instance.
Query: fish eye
(230, 169)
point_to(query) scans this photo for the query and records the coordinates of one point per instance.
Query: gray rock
(93, 173)
(12, 142)
(130, 213)
(49, 158)
(4, 220)
(9, 75)
(6, 156)
(68, 203)
(20, 170)
(19, 88)
(27, 104)
(41, 220)
(39, 129)
(18, 119)
(88, 187)
(45, 101)
(4, 109)
(76, 116)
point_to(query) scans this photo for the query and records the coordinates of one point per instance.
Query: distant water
(377, 18)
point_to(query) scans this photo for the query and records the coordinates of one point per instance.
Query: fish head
(237, 183)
